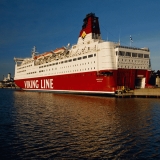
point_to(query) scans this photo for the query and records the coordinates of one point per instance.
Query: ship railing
(143, 49)
(18, 59)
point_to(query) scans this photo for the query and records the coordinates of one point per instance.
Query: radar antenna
(34, 51)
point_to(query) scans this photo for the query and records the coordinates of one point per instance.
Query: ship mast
(33, 52)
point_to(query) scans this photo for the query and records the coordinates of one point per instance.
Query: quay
(10, 87)
(143, 92)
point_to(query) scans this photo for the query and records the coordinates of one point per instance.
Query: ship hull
(87, 82)
(80, 83)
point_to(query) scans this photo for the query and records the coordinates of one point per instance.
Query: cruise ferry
(92, 66)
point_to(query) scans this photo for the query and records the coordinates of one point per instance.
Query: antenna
(120, 37)
(34, 51)
(131, 41)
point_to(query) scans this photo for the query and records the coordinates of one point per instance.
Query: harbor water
(36, 125)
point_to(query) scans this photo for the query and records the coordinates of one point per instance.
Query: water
(55, 126)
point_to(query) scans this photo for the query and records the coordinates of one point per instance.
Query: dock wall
(145, 92)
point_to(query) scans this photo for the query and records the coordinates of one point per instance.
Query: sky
(50, 24)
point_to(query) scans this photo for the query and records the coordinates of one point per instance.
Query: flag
(131, 38)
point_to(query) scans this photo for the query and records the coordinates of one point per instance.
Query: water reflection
(50, 125)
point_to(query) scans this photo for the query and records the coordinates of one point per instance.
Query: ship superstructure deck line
(91, 66)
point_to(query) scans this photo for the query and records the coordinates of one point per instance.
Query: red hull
(79, 82)
(88, 82)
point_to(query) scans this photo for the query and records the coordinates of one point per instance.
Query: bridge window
(146, 55)
(121, 53)
(140, 55)
(134, 54)
(128, 54)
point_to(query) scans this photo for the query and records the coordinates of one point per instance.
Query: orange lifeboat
(47, 54)
(41, 56)
(59, 50)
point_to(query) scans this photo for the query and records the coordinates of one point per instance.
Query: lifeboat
(59, 50)
(47, 54)
(41, 56)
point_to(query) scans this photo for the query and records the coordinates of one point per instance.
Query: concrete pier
(145, 92)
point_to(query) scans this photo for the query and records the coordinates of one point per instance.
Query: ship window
(74, 59)
(107, 73)
(134, 54)
(70, 60)
(79, 58)
(84, 57)
(121, 53)
(65, 61)
(61, 62)
(146, 56)
(140, 55)
(94, 55)
(91, 55)
(128, 54)
(56, 63)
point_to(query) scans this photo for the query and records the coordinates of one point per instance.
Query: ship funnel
(90, 29)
